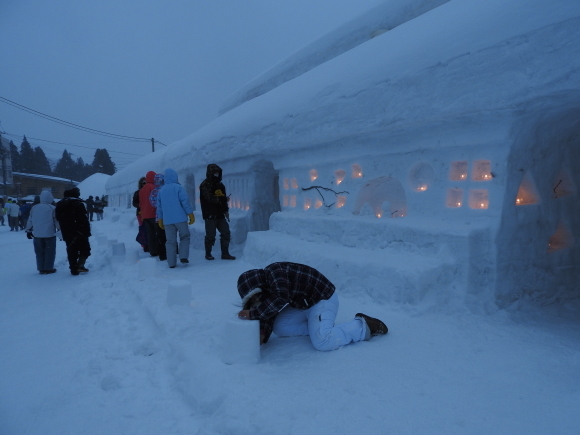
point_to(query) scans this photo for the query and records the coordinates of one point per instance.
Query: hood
(212, 168)
(72, 193)
(150, 177)
(250, 281)
(170, 176)
(46, 197)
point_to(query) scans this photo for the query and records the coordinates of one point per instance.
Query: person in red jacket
(148, 214)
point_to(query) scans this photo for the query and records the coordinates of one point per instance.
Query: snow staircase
(395, 260)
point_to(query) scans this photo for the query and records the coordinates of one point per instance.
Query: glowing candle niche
(356, 171)
(481, 170)
(285, 201)
(294, 183)
(318, 204)
(478, 199)
(340, 201)
(313, 174)
(339, 176)
(458, 171)
(286, 184)
(561, 239)
(292, 200)
(454, 198)
(307, 203)
(527, 193)
(379, 214)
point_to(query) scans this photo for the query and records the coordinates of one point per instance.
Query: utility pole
(152, 145)
(3, 153)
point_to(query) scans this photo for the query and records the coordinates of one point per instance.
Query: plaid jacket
(283, 284)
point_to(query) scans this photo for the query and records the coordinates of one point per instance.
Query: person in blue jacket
(174, 215)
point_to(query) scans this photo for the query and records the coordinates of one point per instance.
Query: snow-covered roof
(44, 177)
(93, 185)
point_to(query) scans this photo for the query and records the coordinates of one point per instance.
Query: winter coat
(147, 210)
(283, 284)
(72, 217)
(212, 194)
(12, 209)
(25, 210)
(98, 206)
(90, 204)
(42, 221)
(172, 201)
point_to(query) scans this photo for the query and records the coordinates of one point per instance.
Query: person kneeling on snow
(292, 299)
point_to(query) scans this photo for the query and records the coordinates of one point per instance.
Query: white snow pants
(318, 323)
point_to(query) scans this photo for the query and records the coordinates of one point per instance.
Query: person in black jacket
(215, 212)
(75, 228)
(90, 207)
(142, 234)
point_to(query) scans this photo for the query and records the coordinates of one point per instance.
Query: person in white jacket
(43, 227)
(13, 212)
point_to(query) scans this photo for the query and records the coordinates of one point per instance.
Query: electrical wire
(70, 124)
(72, 145)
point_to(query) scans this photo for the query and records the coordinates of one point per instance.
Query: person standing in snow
(90, 207)
(175, 214)
(292, 299)
(215, 212)
(24, 213)
(155, 238)
(13, 212)
(2, 212)
(142, 234)
(98, 208)
(76, 229)
(42, 227)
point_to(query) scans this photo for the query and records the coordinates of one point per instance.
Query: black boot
(81, 265)
(208, 255)
(225, 251)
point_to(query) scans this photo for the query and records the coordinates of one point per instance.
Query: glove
(29, 235)
(219, 192)
(160, 223)
(190, 219)
(227, 216)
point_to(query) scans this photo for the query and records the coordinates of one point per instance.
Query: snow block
(102, 240)
(132, 256)
(112, 242)
(146, 268)
(241, 342)
(179, 292)
(119, 249)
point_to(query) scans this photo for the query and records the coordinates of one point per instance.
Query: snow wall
(430, 151)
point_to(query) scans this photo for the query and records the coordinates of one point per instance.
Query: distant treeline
(33, 161)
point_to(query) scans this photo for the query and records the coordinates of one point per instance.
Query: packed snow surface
(104, 353)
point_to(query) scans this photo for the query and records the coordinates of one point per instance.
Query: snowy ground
(104, 354)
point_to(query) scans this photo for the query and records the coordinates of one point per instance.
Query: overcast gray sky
(142, 68)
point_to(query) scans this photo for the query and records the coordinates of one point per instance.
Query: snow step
(385, 274)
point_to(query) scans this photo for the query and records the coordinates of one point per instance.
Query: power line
(70, 124)
(72, 145)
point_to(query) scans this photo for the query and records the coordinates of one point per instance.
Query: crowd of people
(289, 299)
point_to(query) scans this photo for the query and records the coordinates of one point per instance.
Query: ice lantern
(481, 170)
(313, 174)
(458, 171)
(454, 198)
(527, 193)
(340, 201)
(561, 239)
(478, 199)
(421, 176)
(339, 176)
(356, 171)
(307, 203)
